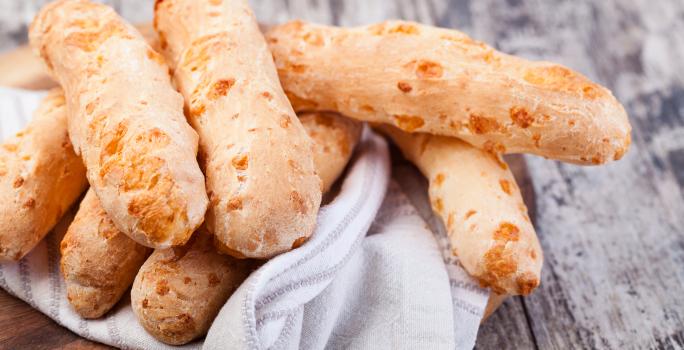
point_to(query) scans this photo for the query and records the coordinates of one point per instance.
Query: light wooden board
(613, 236)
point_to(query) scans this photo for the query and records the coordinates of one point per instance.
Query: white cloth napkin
(376, 274)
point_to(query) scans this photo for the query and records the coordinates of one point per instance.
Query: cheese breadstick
(125, 120)
(439, 81)
(334, 138)
(264, 194)
(179, 291)
(40, 177)
(480, 204)
(98, 262)
(158, 294)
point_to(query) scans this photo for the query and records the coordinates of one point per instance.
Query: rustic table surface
(612, 236)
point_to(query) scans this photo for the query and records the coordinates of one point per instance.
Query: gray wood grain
(612, 236)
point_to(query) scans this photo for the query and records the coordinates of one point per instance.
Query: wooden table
(612, 236)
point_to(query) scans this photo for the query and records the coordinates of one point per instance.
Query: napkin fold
(376, 274)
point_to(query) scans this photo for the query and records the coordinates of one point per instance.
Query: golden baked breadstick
(179, 291)
(439, 81)
(493, 303)
(98, 262)
(481, 206)
(125, 120)
(40, 177)
(168, 274)
(334, 138)
(264, 194)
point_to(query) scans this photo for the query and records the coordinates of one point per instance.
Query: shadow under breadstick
(476, 196)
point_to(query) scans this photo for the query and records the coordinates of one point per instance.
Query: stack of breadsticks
(198, 164)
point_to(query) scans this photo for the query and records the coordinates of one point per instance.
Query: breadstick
(179, 291)
(125, 120)
(40, 177)
(439, 81)
(168, 274)
(98, 262)
(493, 303)
(482, 209)
(264, 193)
(334, 138)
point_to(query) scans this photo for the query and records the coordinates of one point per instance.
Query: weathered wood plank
(507, 328)
(22, 327)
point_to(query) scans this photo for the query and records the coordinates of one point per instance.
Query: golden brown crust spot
(404, 86)
(90, 41)
(368, 109)
(409, 123)
(426, 69)
(298, 203)
(404, 28)
(527, 283)
(183, 325)
(240, 162)
(559, 78)
(29, 204)
(235, 203)
(470, 213)
(270, 237)
(479, 124)
(505, 186)
(438, 205)
(521, 117)
(197, 110)
(18, 182)
(213, 279)
(220, 88)
(376, 29)
(162, 287)
(285, 121)
(507, 232)
(295, 68)
(313, 38)
(439, 179)
(537, 139)
(499, 264)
